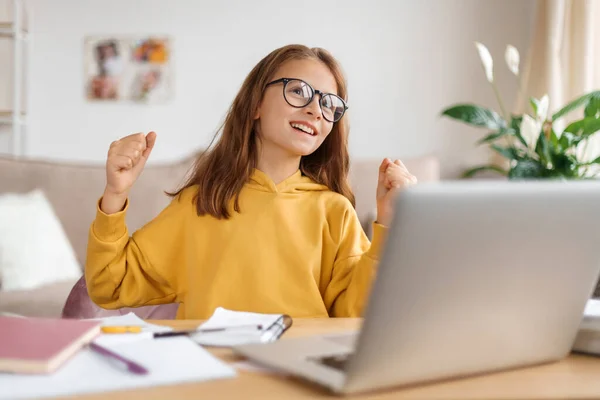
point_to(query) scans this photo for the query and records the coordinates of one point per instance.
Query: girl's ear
(257, 113)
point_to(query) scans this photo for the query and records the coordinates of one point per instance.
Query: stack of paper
(169, 360)
(592, 309)
(588, 337)
(242, 328)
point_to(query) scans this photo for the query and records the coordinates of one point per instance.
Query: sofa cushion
(363, 180)
(74, 189)
(34, 249)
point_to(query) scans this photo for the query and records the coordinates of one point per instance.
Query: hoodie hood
(296, 183)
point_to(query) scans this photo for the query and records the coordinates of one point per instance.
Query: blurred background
(405, 61)
(76, 75)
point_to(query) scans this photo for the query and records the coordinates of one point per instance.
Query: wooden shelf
(6, 117)
(9, 113)
(7, 29)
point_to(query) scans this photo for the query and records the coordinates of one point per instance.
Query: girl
(266, 222)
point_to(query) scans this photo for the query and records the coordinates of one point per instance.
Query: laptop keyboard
(338, 361)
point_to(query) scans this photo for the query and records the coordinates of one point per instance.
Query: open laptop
(475, 277)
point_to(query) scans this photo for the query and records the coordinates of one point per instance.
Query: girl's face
(295, 131)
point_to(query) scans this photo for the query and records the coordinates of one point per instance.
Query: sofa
(73, 190)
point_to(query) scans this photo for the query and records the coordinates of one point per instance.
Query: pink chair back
(80, 306)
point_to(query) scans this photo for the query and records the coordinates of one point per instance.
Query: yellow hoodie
(295, 248)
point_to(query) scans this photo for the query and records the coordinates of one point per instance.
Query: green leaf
(515, 122)
(470, 172)
(526, 169)
(575, 127)
(562, 161)
(592, 125)
(534, 104)
(575, 104)
(565, 165)
(493, 136)
(584, 127)
(507, 152)
(476, 116)
(568, 140)
(553, 139)
(542, 148)
(593, 107)
(515, 125)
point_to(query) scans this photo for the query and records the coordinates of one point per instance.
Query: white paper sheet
(128, 320)
(592, 308)
(169, 360)
(243, 326)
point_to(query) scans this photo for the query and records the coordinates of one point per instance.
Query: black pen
(205, 330)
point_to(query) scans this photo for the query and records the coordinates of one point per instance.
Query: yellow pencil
(121, 329)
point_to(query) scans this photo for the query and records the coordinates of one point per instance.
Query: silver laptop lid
(479, 276)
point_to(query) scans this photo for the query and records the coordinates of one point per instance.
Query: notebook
(240, 327)
(41, 345)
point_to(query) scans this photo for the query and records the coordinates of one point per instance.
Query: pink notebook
(41, 345)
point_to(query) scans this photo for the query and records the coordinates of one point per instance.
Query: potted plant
(533, 144)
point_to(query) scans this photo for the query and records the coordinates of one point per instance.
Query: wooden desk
(575, 377)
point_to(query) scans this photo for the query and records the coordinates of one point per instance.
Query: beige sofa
(73, 190)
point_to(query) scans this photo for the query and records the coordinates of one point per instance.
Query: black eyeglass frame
(314, 91)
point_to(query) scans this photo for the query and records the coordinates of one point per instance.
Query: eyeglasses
(298, 93)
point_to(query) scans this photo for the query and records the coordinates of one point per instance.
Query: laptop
(475, 277)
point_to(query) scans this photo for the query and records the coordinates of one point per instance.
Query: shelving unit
(15, 118)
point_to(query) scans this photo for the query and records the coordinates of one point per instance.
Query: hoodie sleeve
(139, 270)
(354, 268)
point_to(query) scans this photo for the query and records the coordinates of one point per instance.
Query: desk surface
(577, 376)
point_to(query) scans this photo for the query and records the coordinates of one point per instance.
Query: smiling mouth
(303, 128)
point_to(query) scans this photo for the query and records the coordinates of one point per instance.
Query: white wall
(405, 60)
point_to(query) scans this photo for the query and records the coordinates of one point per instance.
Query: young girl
(266, 222)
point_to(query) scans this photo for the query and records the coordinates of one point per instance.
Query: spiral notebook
(240, 327)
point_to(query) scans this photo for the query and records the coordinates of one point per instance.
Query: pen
(131, 366)
(205, 330)
(121, 329)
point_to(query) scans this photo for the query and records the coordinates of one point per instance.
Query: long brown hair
(221, 171)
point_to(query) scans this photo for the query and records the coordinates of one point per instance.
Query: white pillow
(34, 249)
